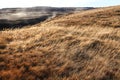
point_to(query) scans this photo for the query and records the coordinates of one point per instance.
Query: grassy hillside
(79, 46)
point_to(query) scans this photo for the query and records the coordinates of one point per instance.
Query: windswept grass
(79, 46)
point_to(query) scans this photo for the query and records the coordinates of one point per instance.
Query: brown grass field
(80, 46)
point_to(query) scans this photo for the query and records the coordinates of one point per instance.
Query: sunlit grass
(80, 46)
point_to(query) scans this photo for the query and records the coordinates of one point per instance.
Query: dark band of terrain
(19, 17)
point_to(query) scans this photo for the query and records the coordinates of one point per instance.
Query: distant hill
(19, 17)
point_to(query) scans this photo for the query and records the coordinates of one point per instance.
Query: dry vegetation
(79, 46)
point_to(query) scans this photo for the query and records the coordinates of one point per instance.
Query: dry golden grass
(79, 46)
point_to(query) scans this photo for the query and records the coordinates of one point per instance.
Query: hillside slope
(79, 46)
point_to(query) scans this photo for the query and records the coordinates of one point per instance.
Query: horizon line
(59, 6)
